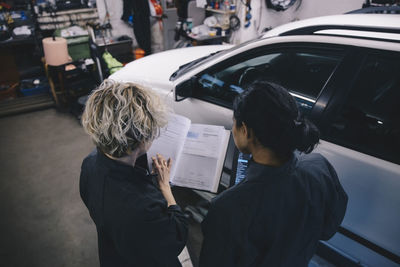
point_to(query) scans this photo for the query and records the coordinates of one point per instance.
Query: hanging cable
(299, 2)
(259, 17)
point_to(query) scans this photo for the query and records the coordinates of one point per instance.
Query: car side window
(370, 118)
(302, 72)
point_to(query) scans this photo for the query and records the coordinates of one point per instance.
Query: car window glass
(304, 73)
(369, 120)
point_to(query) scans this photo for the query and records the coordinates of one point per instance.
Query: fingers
(153, 169)
(160, 162)
(169, 163)
(160, 158)
(155, 163)
(163, 168)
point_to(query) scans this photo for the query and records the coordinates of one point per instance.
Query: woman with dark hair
(288, 200)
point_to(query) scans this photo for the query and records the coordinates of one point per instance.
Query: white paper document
(171, 141)
(197, 150)
(203, 140)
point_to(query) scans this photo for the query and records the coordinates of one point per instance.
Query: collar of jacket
(118, 167)
(258, 172)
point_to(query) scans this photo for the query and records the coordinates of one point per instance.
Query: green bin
(78, 46)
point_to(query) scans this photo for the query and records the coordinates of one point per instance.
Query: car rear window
(370, 119)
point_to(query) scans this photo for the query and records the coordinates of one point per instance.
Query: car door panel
(362, 136)
(351, 250)
(373, 186)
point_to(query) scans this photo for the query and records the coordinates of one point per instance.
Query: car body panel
(358, 253)
(373, 183)
(156, 69)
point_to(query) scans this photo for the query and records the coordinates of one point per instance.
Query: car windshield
(188, 66)
(193, 64)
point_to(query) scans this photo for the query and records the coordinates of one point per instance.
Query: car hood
(157, 68)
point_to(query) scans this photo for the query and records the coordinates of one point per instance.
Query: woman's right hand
(162, 168)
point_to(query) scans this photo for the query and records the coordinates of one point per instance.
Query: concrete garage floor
(43, 221)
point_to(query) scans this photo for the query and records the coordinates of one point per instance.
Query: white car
(344, 71)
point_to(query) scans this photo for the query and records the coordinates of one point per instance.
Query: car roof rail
(377, 10)
(369, 33)
(370, 25)
(316, 28)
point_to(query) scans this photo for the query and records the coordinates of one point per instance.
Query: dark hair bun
(272, 113)
(308, 135)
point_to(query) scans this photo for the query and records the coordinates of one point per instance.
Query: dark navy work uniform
(134, 225)
(275, 216)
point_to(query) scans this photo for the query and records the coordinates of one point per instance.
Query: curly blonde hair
(121, 116)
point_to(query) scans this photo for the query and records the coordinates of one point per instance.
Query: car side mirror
(185, 89)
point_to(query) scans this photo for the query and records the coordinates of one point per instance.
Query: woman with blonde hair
(138, 222)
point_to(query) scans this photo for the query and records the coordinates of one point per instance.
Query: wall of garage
(119, 27)
(262, 17)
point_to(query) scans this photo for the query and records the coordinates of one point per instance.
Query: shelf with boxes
(222, 6)
(216, 27)
(61, 19)
(71, 80)
(221, 11)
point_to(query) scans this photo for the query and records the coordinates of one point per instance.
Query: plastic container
(34, 86)
(212, 32)
(189, 23)
(139, 53)
(119, 47)
(78, 46)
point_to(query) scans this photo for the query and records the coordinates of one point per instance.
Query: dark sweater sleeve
(218, 247)
(335, 205)
(83, 183)
(159, 236)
